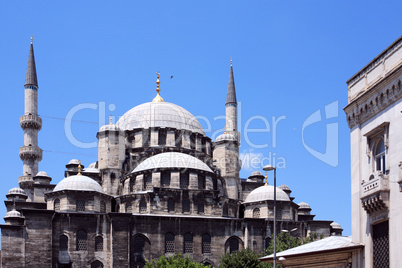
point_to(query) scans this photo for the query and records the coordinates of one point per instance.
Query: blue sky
(290, 59)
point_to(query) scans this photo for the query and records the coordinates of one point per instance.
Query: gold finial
(266, 178)
(111, 120)
(225, 130)
(230, 61)
(31, 38)
(79, 167)
(158, 97)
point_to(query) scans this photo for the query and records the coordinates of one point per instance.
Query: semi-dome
(78, 183)
(172, 160)
(159, 114)
(303, 205)
(266, 192)
(225, 137)
(16, 190)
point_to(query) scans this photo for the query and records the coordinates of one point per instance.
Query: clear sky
(291, 60)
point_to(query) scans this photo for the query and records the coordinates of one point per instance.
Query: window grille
(381, 245)
(99, 243)
(102, 206)
(129, 208)
(148, 181)
(188, 244)
(63, 243)
(169, 243)
(81, 240)
(80, 205)
(206, 244)
(143, 206)
(97, 264)
(170, 205)
(165, 178)
(186, 205)
(200, 207)
(256, 213)
(56, 204)
(234, 245)
(184, 180)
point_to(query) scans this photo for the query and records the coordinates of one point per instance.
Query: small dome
(92, 165)
(109, 127)
(303, 205)
(256, 173)
(42, 174)
(335, 225)
(91, 168)
(78, 183)
(284, 187)
(74, 162)
(17, 190)
(159, 114)
(172, 160)
(225, 137)
(266, 192)
(13, 214)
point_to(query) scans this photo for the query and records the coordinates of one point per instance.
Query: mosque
(160, 186)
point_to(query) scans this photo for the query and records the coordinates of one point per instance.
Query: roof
(323, 245)
(256, 173)
(30, 77)
(159, 114)
(13, 214)
(16, 190)
(42, 174)
(231, 95)
(266, 192)
(303, 205)
(172, 160)
(78, 183)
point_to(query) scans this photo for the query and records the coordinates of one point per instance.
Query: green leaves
(245, 258)
(176, 261)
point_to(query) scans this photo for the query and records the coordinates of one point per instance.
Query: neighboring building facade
(160, 186)
(375, 120)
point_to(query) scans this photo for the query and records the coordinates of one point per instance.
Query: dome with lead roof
(303, 205)
(109, 127)
(159, 114)
(336, 225)
(16, 190)
(266, 192)
(13, 214)
(78, 183)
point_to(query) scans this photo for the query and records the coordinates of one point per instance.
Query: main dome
(159, 114)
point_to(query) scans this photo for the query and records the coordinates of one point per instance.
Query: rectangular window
(80, 205)
(381, 245)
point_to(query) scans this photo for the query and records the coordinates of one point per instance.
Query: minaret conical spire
(231, 95)
(30, 77)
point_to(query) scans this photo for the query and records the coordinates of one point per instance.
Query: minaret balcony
(375, 192)
(25, 181)
(31, 121)
(31, 152)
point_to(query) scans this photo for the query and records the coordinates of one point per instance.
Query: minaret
(31, 123)
(231, 106)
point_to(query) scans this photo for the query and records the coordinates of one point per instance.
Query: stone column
(175, 179)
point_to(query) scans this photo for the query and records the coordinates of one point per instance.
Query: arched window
(56, 204)
(143, 206)
(206, 244)
(188, 244)
(102, 206)
(256, 213)
(379, 155)
(129, 208)
(225, 210)
(186, 205)
(98, 243)
(184, 180)
(81, 240)
(139, 243)
(200, 207)
(63, 243)
(170, 205)
(169, 243)
(96, 264)
(233, 245)
(80, 205)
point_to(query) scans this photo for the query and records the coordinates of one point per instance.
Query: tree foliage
(176, 261)
(241, 259)
(282, 242)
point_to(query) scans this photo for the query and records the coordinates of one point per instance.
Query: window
(225, 210)
(188, 244)
(200, 207)
(56, 204)
(206, 244)
(145, 137)
(81, 240)
(170, 205)
(186, 205)
(96, 264)
(162, 137)
(148, 181)
(377, 145)
(63, 243)
(132, 184)
(381, 245)
(169, 243)
(379, 155)
(99, 243)
(201, 181)
(256, 213)
(233, 245)
(255, 246)
(184, 180)
(143, 206)
(102, 206)
(192, 141)
(165, 178)
(80, 205)
(129, 208)
(177, 136)
(139, 244)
